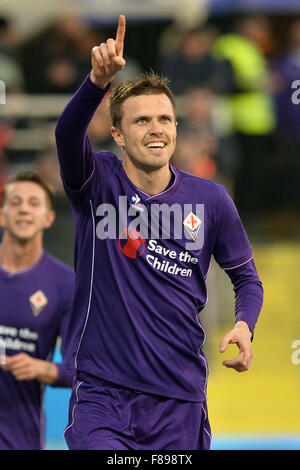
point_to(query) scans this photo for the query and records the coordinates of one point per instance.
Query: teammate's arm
(25, 367)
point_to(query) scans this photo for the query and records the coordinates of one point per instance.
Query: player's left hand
(241, 336)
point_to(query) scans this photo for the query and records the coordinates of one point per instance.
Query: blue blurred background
(234, 67)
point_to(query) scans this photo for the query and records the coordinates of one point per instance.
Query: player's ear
(50, 217)
(117, 136)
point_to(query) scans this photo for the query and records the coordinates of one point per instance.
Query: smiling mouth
(23, 223)
(156, 145)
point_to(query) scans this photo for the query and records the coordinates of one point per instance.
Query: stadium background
(254, 153)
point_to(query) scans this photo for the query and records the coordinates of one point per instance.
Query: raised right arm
(73, 148)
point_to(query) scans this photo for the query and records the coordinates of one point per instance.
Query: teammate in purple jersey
(145, 233)
(36, 293)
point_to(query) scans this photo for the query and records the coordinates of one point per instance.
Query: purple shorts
(104, 416)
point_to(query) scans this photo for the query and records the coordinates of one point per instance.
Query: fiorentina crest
(192, 224)
(38, 302)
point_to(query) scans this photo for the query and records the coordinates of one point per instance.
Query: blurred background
(234, 67)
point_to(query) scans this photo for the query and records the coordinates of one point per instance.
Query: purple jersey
(34, 306)
(135, 318)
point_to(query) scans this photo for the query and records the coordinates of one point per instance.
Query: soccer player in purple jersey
(36, 292)
(135, 337)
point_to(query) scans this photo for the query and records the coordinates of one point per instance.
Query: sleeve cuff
(96, 87)
(65, 377)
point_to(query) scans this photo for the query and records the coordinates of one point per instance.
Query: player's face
(26, 212)
(147, 132)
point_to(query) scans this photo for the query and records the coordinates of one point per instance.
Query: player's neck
(149, 181)
(17, 256)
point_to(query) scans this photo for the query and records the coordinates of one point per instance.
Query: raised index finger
(120, 35)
